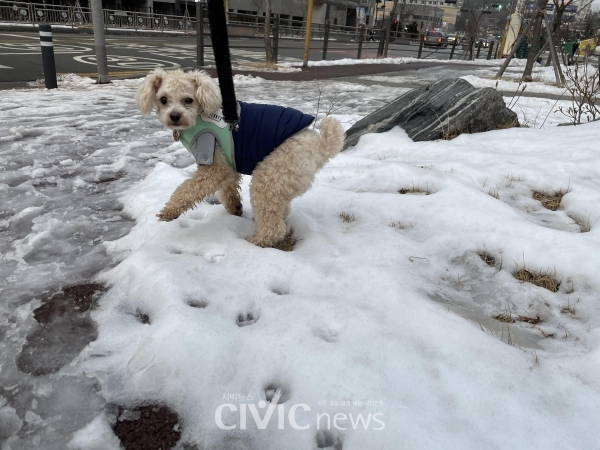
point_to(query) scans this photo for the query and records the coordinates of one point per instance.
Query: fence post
(361, 37)
(479, 44)
(48, 55)
(453, 47)
(382, 37)
(421, 41)
(489, 55)
(276, 39)
(325, 40)
(31, 14)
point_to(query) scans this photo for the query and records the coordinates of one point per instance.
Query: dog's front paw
(166, 215)
(257, 241)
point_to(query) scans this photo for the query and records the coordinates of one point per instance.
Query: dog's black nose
(175, 116)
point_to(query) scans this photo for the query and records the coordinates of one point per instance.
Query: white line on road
(21, 35)
(5, 67)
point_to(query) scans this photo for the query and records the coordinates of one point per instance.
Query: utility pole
(199, 33)
(100, 42)
(308, 29)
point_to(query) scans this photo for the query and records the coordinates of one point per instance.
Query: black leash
(220, 44)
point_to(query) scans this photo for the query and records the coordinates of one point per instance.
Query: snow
(405, 60)
(389, 316)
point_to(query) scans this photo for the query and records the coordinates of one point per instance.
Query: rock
(443, 109)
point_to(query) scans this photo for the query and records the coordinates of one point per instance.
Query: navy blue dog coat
(262, 129)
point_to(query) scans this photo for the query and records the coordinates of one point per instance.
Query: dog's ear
(207, 92)
(146, 93)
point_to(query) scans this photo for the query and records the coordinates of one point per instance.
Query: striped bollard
(48, 55)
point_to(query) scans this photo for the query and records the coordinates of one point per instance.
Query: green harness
(200, 140)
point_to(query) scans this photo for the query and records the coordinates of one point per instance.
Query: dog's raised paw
(167, 216)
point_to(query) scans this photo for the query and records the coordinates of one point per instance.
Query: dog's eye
(163, 100)
(189, 101)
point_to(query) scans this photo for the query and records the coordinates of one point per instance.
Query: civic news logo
(299, 416)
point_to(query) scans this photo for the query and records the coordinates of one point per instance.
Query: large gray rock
(442, 109)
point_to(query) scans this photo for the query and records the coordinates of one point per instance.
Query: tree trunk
(389, 29)
(537, 31)
(268, 45)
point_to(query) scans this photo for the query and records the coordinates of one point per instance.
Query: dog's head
(179, 97)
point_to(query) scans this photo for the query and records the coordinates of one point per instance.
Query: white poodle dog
(273, 144)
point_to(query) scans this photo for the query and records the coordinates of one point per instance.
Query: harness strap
(220, 44)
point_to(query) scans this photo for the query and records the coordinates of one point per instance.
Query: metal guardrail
(33, 13)
(240, 25)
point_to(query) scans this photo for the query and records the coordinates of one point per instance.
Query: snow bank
(384, 325)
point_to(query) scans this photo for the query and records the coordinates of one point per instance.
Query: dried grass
(544, 279)
(488, 259)
(494, 192)
(549, 200)
(532, 320)
(569, 308)
(400, 225)
(347, 217)
(417, 189)
(504, 318)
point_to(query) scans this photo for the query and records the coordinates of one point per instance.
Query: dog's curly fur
(285, 174)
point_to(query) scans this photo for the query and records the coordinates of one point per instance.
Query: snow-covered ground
(387, 316)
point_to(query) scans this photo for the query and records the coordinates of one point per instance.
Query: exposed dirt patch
(148, 428)
(64, 329)
(142, 317)
(287, 244)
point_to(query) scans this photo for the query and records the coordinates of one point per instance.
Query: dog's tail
(332, 137)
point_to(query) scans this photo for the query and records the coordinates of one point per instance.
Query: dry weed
(400, 225)
(549, 200)
(488, 259)
(584, 226)
(532, 320)
(569, 308)
(347, 217)
(543, 279)
(417, 189)
(494, 192)
(505, 318)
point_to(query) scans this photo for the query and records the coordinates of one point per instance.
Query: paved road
(20, 55)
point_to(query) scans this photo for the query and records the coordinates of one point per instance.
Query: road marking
(20, 35)
(5, 67)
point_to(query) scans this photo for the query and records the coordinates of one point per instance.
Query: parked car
(435, 39)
